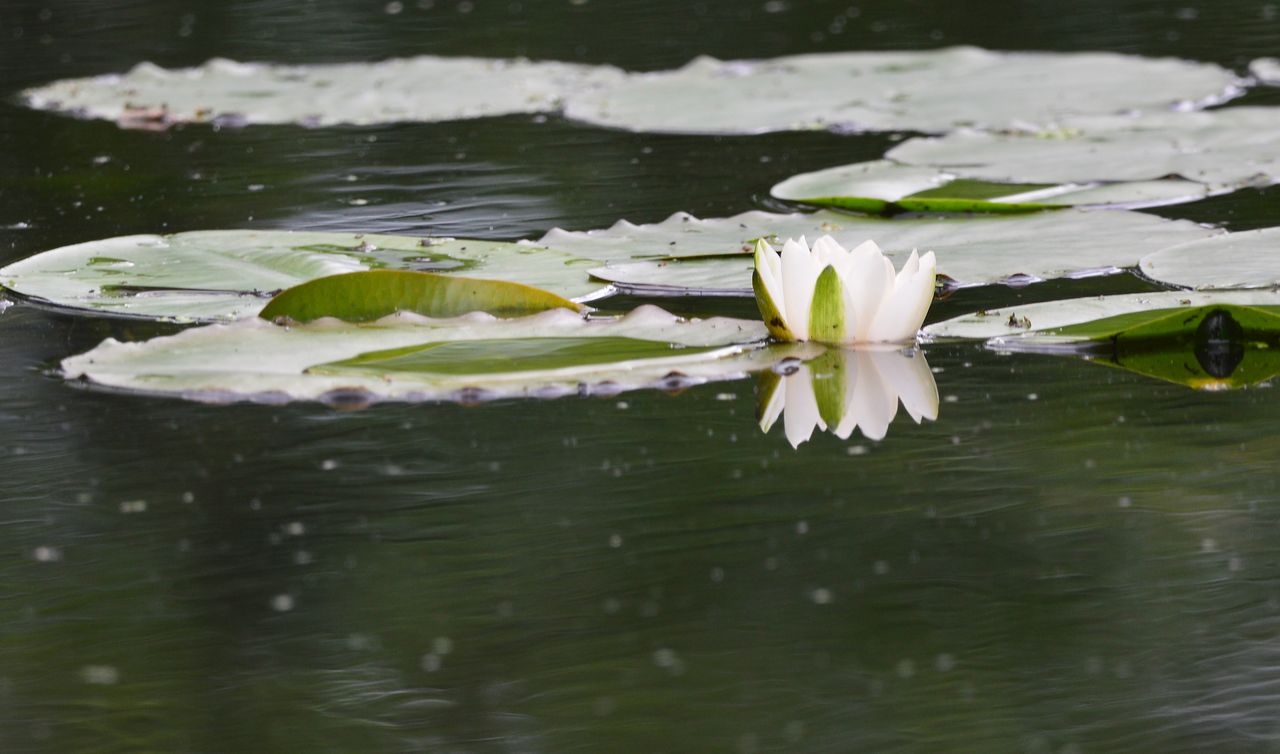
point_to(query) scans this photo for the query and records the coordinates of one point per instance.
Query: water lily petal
(911, 378)
(903, 311)
(872, 401)
(802, 415)
(869, 278)
(799, 275)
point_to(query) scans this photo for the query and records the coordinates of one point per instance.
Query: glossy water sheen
(1070, 559)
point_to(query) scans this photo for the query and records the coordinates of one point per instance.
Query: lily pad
(885, 187)
(221, 275)
(1215, 346)
(421, 88)
(371, 295)
(1223, 149)
(688, 256)
(1209, 348)
(929, 90)
(1070, 322)
(1247, 259)
(411, 358)
(1266, 70)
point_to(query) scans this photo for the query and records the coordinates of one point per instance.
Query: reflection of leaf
(366, 296)
(885, 187)
(842, 389)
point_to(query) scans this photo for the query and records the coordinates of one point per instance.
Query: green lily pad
(1247, 259)
(1266, 70)
(222, 275)
(421, 88)
(1216, 346)
(885, 187)
(371, 295)
(688, 256)
(929, 90)
(1223, 149)
(409, 358)
(1212, 348)
(1070, 322)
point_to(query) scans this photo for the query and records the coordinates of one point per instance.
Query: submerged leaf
(367, 296)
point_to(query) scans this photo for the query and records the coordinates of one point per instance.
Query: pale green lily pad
(1266, 70)
(688, 256)
(1224, 149)
(421, 88)
(1039, 324)
(885, 187)
(410, 358)
(929, 90)
(1247, 259)
(221, 275)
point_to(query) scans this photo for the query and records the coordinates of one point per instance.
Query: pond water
(1070, 558)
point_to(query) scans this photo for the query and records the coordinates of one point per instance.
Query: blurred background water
(1070, 559)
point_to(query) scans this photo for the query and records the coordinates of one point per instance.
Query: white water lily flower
(844, 389)
(839, 296)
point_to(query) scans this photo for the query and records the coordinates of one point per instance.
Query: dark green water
(1070, 559)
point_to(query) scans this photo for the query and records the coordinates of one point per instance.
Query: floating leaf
(688, 256)
(1072, 321)
(1212, 347)
(1247, 259)
(371, 295)
(885, 187)
(931, 91)
(407, 357)
(421, 88)
(221, 275)
(1266, 70)
(1224, 149)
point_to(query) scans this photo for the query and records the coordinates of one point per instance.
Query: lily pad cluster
(927, 90)
(1030, 145)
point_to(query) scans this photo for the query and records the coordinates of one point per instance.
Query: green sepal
(769, 310)
(826, 313)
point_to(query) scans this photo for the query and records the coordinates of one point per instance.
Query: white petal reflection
(870, 383)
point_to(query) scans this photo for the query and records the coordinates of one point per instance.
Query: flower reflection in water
(846, 388)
